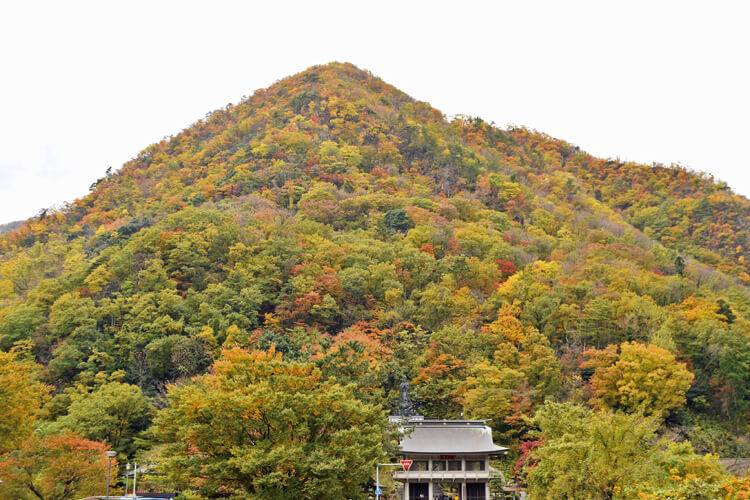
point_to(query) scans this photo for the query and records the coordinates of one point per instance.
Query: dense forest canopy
(340, 234)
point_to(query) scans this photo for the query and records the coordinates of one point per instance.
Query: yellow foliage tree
(637, 377)
(22, 395)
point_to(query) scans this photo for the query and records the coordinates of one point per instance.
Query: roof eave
(499, 451)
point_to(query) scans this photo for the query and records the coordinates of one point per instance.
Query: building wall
(431, 477)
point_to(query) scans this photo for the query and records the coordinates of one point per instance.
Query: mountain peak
(338, 124)
(342, 80)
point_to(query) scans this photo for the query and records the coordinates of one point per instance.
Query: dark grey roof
(449, 437)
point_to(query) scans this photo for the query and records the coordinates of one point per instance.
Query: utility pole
(135, 477)
(404, 463)
(110, 455)
(377, 480)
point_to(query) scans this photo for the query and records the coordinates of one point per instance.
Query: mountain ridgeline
(352, 229)
(10, 226)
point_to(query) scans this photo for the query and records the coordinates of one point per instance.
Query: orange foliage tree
(56, 467)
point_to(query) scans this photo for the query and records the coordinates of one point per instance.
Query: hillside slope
(274, 136)
(348, 224)
(10, 226)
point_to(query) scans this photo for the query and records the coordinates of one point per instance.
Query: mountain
(10, 226)
(274, 137)
(349, 225)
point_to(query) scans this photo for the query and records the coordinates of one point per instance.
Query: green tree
(259, 427)
(18, 324)
(600, 322)
(397, 220)
(679, 265)
(601, 455)
(69, 312)
(725, 310)
(114, 412)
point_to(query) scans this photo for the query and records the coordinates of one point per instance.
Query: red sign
(406, 464)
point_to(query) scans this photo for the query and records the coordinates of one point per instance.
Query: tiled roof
(449, 437)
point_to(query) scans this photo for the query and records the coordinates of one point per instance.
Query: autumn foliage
(59, 467)
(637, 377)
(363, 236)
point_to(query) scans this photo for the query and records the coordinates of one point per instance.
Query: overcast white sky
(86, 85)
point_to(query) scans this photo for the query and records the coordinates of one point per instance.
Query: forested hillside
(10, 226)
(330, 234)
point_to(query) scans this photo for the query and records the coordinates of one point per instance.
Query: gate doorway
(476, 491)
(418, 491)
